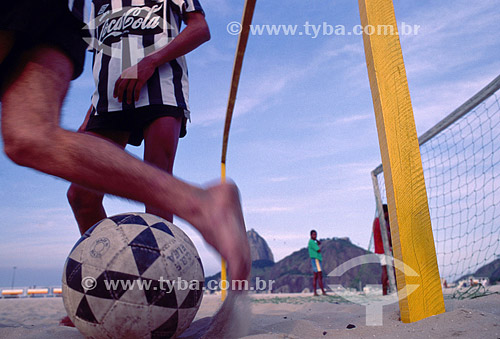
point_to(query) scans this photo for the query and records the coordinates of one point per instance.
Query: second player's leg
(160, 145)
(315, 279)
(320, 278)
(87, 204)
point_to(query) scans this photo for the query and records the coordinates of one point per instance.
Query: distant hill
(259, 249)
(260, 252)
(491, 271)
(294, 273)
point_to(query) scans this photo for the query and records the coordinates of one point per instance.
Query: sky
(303, 139)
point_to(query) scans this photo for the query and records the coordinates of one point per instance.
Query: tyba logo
(374, 305)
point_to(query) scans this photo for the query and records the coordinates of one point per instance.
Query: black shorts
(47, 22)
(135, 120)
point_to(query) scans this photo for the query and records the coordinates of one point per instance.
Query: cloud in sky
(450, 59)
(261, 89)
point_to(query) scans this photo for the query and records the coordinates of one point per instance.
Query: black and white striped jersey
(125, 31)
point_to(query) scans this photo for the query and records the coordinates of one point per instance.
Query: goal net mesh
(461, 165)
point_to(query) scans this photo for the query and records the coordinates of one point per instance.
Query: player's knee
(21, 146)
(81, 198)
(28, 144)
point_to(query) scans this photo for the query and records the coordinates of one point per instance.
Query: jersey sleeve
(190, 6)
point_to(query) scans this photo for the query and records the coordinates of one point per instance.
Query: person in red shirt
(379, 247)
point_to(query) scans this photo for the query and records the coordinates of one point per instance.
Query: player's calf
(86, 205)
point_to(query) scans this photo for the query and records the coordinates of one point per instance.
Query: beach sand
(284, 316)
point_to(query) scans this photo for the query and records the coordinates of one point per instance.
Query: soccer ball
(133, 275)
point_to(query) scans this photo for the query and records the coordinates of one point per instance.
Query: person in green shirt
(316, 258)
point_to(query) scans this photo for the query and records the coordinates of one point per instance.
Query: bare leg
(87, 204)
(161, 139)
(160, 145)
(33, 138)
(320, 279)
(315, 279)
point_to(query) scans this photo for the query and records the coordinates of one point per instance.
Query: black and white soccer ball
(133, 275)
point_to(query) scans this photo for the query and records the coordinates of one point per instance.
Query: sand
(283, 316)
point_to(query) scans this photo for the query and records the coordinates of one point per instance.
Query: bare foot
(222, 225)
(233, 318)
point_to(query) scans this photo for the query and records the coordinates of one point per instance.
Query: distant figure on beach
(316, 258)
(379, 247)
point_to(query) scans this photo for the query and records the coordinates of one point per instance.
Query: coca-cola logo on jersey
(127, 25)
(111, 26)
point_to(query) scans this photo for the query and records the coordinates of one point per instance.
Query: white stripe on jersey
(189, 5)
(114, 71)
(144, 96)
(95, 73)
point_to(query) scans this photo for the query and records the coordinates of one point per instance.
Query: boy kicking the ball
(39, 55)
